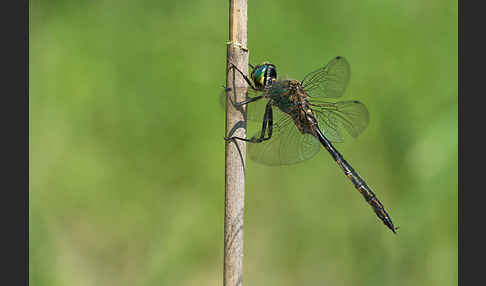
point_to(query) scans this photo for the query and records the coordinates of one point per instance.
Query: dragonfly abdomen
(357, 181)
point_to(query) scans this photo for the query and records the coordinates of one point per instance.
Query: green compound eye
(258, 76)
(263, 75)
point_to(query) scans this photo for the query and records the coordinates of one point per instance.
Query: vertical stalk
(237, 54)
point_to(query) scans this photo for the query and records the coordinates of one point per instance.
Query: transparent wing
(255, 110)
(287, 145)
(351, 115)
(329, 81)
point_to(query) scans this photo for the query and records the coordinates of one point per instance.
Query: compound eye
(270, 75)
(272, 72)
(258, 76)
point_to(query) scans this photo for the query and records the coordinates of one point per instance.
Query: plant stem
(237, 54)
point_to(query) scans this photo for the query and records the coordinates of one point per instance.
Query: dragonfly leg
(238, 104)
(244, 76)
(267, 122)
(241, 103)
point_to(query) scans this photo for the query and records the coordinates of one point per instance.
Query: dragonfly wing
(351, 115)
(329, 81)
(256, 110)
(286, 146)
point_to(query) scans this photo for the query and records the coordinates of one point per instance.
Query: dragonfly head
(263, 75)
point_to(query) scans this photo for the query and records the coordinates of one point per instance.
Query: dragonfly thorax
(290, 97)
(287, 94)
(297, 94)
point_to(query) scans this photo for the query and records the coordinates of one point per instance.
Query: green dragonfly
(298, 120)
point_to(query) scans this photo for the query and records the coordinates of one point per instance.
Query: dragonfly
(299, 119)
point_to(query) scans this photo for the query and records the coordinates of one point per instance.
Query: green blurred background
(127, 151)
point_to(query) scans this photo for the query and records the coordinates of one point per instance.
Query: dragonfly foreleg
(243, 75)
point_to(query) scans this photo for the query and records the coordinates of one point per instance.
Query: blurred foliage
(127, 151)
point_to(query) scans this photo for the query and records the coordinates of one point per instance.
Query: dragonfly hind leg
(267, 122)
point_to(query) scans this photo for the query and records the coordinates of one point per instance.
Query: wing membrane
(287, 145)
(329, 81)
(351, 115)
